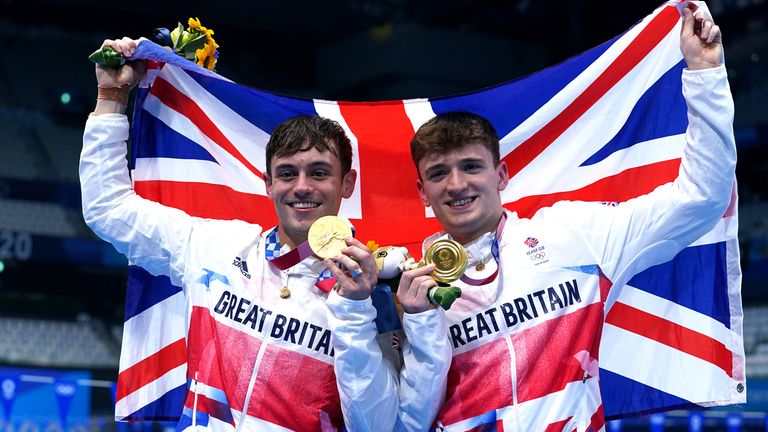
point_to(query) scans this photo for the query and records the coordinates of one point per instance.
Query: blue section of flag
(220, 411)
(694, 271)
(265, 110)
(159, 140)
(212, 393)
(150, 50)
(201, 419)
(526, 95)
(640, 126)
(166, 408)
(137, 125)
(485, 422)
(145, 290)
(622, 395)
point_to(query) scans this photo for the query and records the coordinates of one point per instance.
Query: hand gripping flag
(605, 126)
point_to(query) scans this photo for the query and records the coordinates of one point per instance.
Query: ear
(268, 183)
(503, 176)
(348, 183)
(423, 193)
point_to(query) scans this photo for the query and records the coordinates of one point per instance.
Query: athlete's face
(462, 187)
(306, 186)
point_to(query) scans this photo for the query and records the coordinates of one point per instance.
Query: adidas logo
(242, 265)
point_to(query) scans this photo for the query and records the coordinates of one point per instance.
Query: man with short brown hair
(525, 345)
(267, 347)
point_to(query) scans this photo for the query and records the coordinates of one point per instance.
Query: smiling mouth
(461, 202)
(304, 205)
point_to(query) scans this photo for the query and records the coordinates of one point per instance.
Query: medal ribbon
(324, 281)
(494, 252)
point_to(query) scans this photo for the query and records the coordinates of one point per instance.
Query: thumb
(688, 21)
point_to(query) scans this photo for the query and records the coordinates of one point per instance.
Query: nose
(303, 185)
(455, 181)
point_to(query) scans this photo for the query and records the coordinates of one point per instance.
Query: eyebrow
(439, 165)
(317, 164)
(471, 159)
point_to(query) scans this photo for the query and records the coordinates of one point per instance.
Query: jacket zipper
(513, 375)
(256, 366)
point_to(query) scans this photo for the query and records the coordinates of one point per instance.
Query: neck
(468, 237)
(292, 239)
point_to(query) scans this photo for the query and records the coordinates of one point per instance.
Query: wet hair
(452, 131)
(305, 132)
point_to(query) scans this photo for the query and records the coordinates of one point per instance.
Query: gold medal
(326, 236)
(480, 267)
(449, 258)
(285, 293)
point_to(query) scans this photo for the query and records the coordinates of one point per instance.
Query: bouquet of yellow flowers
(194, 43)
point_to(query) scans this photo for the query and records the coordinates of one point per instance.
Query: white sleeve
(367, 383)
(149, 234)
(427, 357)
(653, 228)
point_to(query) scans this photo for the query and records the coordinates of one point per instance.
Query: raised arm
(653, 228)
(114, 84)
(148, 233)
(701, 41)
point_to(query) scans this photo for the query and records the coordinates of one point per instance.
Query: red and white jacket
(525, 347)
(256, 361)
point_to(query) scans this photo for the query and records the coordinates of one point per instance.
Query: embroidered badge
(531, 242)
(536, 252)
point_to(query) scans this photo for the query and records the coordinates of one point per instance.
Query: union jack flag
(605, 126)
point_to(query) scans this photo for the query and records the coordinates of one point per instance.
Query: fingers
(706, 27)
(357, 257)
(346, 286)
(351, 241)
(422, 286)
(125, 46)
(352, 267)
(411, 281)
(361, 254)
(355, 271)
(408, 278)
(334, 269)
(688, 22)
(714, 35)
(420, 271)
(698, 22)
(413, 291)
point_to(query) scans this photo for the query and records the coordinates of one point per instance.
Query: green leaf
(107, 56)
(190, 55)
(195, 42)
(175, 36)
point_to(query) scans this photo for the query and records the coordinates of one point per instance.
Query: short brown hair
(452, 131)
(305, 132)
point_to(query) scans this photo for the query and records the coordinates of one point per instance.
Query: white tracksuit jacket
(307, 363)
(525, 347)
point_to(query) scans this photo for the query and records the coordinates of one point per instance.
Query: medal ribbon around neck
(324, 281)
(323, 233)
(494, 252)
